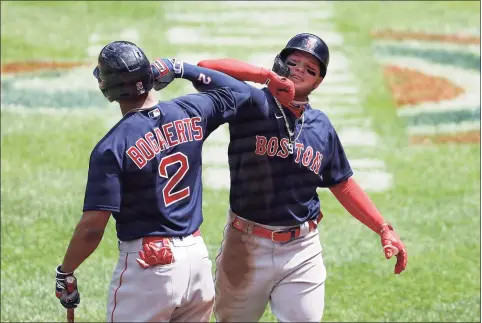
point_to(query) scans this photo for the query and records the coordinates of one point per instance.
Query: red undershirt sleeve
(237, 69)
(358, 204)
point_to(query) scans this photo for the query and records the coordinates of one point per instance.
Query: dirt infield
(23, 67)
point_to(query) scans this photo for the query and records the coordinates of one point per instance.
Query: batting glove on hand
(66, 289)
(392, 245)
(281, 88)
(165, 70)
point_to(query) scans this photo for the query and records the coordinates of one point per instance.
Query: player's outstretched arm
(220, 95)
(356, 201)
(231, 93)
(165, 70)
(280, 87)
(204, 78)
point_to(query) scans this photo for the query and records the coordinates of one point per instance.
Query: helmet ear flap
(280, 67)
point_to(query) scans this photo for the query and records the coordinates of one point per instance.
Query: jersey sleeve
(205, 79)
(103, 191)
(217, 106)
(338, 168)
(229, 73)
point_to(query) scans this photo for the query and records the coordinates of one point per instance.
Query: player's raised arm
(215, 105)
(281, 87)
(229, 73)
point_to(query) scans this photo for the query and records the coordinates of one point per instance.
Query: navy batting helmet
(123, 71)
(307, 43)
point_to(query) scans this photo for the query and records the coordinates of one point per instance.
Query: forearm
(83, 243)
(237, 69)
(358, 204)
(207, 79)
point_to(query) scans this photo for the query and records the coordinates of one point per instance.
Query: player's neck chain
(300, 104)
(291, 134)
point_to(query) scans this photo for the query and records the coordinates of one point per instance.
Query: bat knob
(70, 283)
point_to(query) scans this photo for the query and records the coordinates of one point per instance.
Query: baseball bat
(70, 283)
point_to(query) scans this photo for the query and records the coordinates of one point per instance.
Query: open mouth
(296, 78)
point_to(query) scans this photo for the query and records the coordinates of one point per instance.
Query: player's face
(304, 72)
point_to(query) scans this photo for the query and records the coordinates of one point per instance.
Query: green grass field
(51, 120)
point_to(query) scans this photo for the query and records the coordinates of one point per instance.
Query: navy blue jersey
(270, 185)
(147, 169)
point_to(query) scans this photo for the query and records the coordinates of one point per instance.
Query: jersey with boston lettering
(147, 169)
(277, 162)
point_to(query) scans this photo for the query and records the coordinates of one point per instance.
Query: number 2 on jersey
(169, 196)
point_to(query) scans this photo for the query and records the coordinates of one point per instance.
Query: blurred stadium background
(402, 89)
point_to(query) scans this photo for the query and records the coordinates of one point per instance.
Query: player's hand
(164, 71)
(393, 246)
(281, 88)
(66, 289)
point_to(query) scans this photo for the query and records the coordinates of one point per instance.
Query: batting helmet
(123, 71)
(307, 43)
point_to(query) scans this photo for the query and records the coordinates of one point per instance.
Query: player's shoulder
(114, 139)
(261, 96)
(188, 105)
(190, 98)
(320, 117)
(261, 91)
(178, 107)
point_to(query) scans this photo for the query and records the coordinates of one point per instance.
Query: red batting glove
(281, 88)
(392, 245)
(152, 255)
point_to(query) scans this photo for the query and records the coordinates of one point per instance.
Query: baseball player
(146, 172)
(279, 154)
